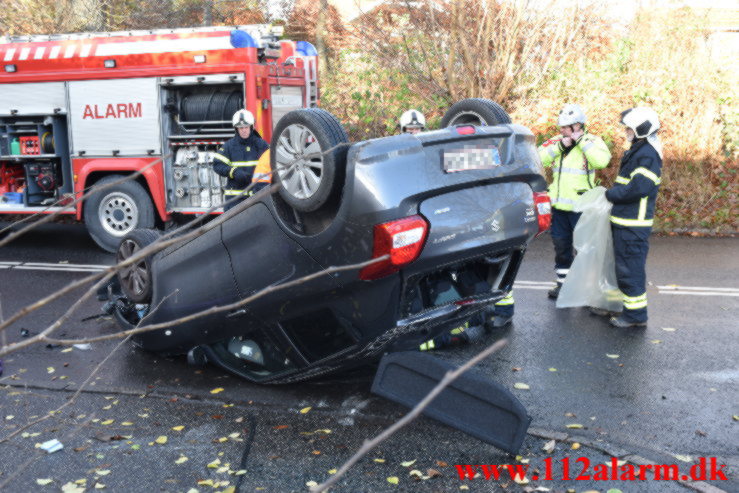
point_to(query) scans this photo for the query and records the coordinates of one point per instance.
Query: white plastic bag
(592, 277)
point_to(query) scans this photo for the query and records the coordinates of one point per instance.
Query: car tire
(136, 279)
(112, 213)
(308, 180)
(475, 111)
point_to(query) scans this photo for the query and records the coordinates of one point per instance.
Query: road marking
(675, 287)
(700, 293)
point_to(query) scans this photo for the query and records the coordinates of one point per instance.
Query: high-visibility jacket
(573, 168)
(635, 191)
(236, 159)
(262, 172)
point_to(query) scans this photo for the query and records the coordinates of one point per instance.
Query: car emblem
(495, 226)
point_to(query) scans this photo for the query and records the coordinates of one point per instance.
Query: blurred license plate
(470, 157)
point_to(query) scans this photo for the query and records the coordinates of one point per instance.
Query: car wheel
(136, 279)
(308, 157)
(112, 213)
(475, 111)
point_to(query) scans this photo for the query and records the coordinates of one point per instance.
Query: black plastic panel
(473, 404)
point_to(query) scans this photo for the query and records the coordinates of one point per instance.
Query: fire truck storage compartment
(196, 120)
(115, 117)
(34, 158)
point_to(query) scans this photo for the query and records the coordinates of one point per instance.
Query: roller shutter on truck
(115, 117)
(34, 98)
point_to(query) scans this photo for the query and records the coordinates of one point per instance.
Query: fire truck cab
(78, 110)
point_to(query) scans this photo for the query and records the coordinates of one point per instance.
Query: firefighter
(633, 197)
(238, 157)
(412, 122)
(574, 155)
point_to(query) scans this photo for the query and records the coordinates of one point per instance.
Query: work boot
(622, 323)
(498, 322)
(554, 292)
(602, 312)
(455, 337)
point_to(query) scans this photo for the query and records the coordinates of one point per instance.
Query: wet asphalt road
(667, 394)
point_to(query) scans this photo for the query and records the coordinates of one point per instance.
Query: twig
(368, 445)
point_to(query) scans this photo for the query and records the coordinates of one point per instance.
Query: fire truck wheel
(112, 213)
(135, 280)
(309, 157)
(475, 111)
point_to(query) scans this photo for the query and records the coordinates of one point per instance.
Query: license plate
(470, 157)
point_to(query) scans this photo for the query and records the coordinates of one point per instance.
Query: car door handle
(236, 313)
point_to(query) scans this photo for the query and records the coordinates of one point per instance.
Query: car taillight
(543, 211)
(467, 130)
(402, 240)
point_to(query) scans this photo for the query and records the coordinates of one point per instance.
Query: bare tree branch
(368, 445)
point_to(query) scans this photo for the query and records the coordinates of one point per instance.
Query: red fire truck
(84, 109)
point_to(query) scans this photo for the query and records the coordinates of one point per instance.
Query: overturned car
(452, 210)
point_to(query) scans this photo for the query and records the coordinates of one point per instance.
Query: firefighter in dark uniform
(238, 158)
(633, 197)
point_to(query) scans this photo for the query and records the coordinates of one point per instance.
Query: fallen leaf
(380, 461)
(44, 482)
(214, 464)
(107, 422)
(178, 428)
(684, 458)
(234, 435)
(552, 369)
(575, 446)
(217, 391)
(393, 480)
(305, 410)
(72, 488)
(570, 415)
(126, 423)
(135, 446)
(311, 484)
(520, 479)
(99, 486)
(416, 474)
(701, 433)
(614, 490)
(441, 463)
(735, 417)
(549, 446)
(520, 386)
(205, 482)
(669, 329)
(408, 463)
(67, 350)
(102, 472)
(50, 369)
(281, 427)
(433, 473)
(316, 452)
(9, 417)
(575, 426)
(181, 460)
(161, 440)
(240, 472)
(332, 471)
(612, 356)
(656, 341)
(464, 487)
(516, 368)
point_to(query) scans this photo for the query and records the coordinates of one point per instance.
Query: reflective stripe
(262, 178)
(564, 201)
(243, 163)
(552, 152)
(622, 180)
(642, 208)
(562, 272)
(647, 173)
(221, 157)
(508, 300)
(572, 171)
(231, 172)
(631, 222)
(635, 302)
(587, 145)
(236, 192)
(427, 345)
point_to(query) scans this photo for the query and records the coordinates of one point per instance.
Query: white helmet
(412, 118)
(242, 118)
(570, 114)
(642, 120)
